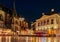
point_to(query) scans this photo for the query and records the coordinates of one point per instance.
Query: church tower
(15, 19)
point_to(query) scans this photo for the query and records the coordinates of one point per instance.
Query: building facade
(48, 23)
(19, 24)
(5, 19)
(5, 16)
(10, 21)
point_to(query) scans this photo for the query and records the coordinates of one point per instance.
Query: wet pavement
(28, 39)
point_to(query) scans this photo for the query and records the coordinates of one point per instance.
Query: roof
(4, 8)
(47, 15)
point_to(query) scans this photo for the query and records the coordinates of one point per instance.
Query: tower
(15, 19)
(14, 9)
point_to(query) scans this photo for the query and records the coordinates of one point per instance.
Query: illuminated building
(5, 16)
(48, 23)
(33, 25)
(9, 19)
(5, 19)
(18, 22)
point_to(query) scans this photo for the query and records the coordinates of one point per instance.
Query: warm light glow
(36, 28)
(21, 19)
(55, 27)
(49, 39)
(39, 28)
(48, 27)
(45, 28)
(50, 31)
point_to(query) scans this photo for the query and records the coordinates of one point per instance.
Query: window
(47, 21)
(44, 22)
(41, 22)
(51, 21)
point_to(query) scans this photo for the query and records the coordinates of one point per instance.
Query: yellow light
(49, 39)
(39, 28)
(36, 29)
(55, 27)
(45, 28)
(21, 19)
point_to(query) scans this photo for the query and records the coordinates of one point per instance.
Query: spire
(14, 9)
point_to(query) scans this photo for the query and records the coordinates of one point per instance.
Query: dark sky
(32, 9)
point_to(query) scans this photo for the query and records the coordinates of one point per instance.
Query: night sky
(32, 9)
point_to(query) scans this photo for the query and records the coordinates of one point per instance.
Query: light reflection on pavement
(28, 39)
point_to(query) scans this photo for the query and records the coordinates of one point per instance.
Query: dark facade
(7, 19)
